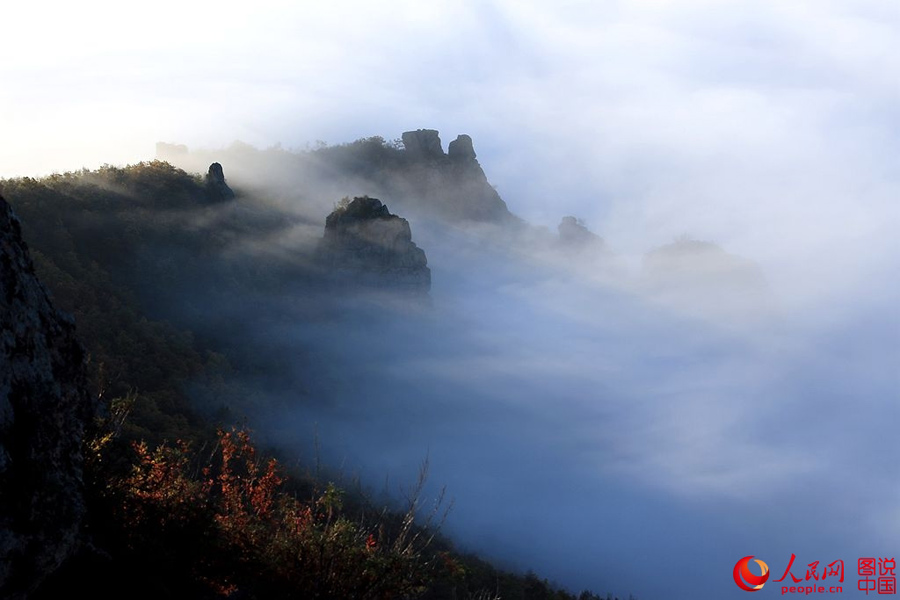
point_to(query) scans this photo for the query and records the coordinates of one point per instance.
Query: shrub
(230, 525)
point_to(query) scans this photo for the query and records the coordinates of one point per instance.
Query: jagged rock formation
(418, 177)
(461, 148)
(454, 186)
(44, 408)
(216, 187)
(573, 234)
(423, 144)
(365, 244)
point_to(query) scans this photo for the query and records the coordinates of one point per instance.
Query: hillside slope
(121, 249)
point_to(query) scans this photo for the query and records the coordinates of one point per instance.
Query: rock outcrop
(573, 234)
(452, 185)
(44, 408)
(216, 188)
(461, 148)
(364, 244)
(423, 144)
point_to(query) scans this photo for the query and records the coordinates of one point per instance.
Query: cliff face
(44, 408)
(364, 244)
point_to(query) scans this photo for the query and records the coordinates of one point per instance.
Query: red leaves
(158, 488)
(245, 490)
(229, 522)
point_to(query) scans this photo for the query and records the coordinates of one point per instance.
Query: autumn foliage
(229, 524)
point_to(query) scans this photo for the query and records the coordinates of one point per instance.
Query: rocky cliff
(453, 185)
(364, 244)
(44, 408)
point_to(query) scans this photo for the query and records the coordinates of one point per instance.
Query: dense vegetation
(182, 504)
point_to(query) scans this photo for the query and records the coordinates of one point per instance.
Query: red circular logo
(747, 580)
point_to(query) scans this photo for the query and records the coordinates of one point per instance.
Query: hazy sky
(722, 119)
(770, 127)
